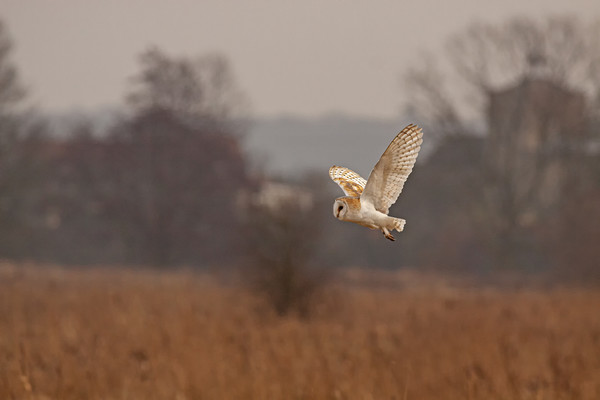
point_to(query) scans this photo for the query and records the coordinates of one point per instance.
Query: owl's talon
(388, 235)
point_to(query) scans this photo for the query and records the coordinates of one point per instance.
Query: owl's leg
(387, 234)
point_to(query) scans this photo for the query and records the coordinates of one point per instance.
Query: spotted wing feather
(393, 168)
(351, 183)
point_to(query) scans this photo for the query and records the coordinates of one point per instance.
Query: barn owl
(367, 202)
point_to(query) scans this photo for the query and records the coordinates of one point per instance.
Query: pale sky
(306, 58)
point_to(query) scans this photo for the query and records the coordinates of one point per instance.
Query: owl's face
(340, 209)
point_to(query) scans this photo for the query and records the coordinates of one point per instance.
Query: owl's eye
(340, 208)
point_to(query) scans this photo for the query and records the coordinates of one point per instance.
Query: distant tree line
(157, 188)
(168, 184)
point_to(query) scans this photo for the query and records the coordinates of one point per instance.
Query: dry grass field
(105, 334)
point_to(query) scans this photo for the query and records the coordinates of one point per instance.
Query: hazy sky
(306, 57)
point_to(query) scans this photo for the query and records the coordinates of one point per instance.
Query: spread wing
(391, 171)
(351, 183)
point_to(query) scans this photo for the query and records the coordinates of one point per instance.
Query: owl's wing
(351, 183)
(391, 171)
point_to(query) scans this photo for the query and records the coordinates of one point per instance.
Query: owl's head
(340, 208)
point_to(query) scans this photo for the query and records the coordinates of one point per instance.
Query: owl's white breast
(368, 216)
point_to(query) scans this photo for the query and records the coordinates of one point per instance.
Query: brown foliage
(117, 335)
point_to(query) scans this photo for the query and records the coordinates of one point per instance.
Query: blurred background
(138, 134)
(197, 136)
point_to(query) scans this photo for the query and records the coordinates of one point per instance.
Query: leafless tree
(172, 188)
(532, 83)
(20, 170)
(431, 100)
(195, 89)
(158, 188)
(175, 166)
(453, 90)
(12, 92)
(282, 227)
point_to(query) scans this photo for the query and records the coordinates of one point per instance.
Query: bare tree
(531, 82)
(160, 186)
(195, 89)
(20, 172)
(12, 91)
(172, 188)
(431, 101)
(176, 165)
(561, 48)
(484, 58)
(282, 227)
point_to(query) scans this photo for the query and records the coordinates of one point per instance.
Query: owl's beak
(338, 211)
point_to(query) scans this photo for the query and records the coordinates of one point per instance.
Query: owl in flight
(367, 202)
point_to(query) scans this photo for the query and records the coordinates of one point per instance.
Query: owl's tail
(399, 224)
